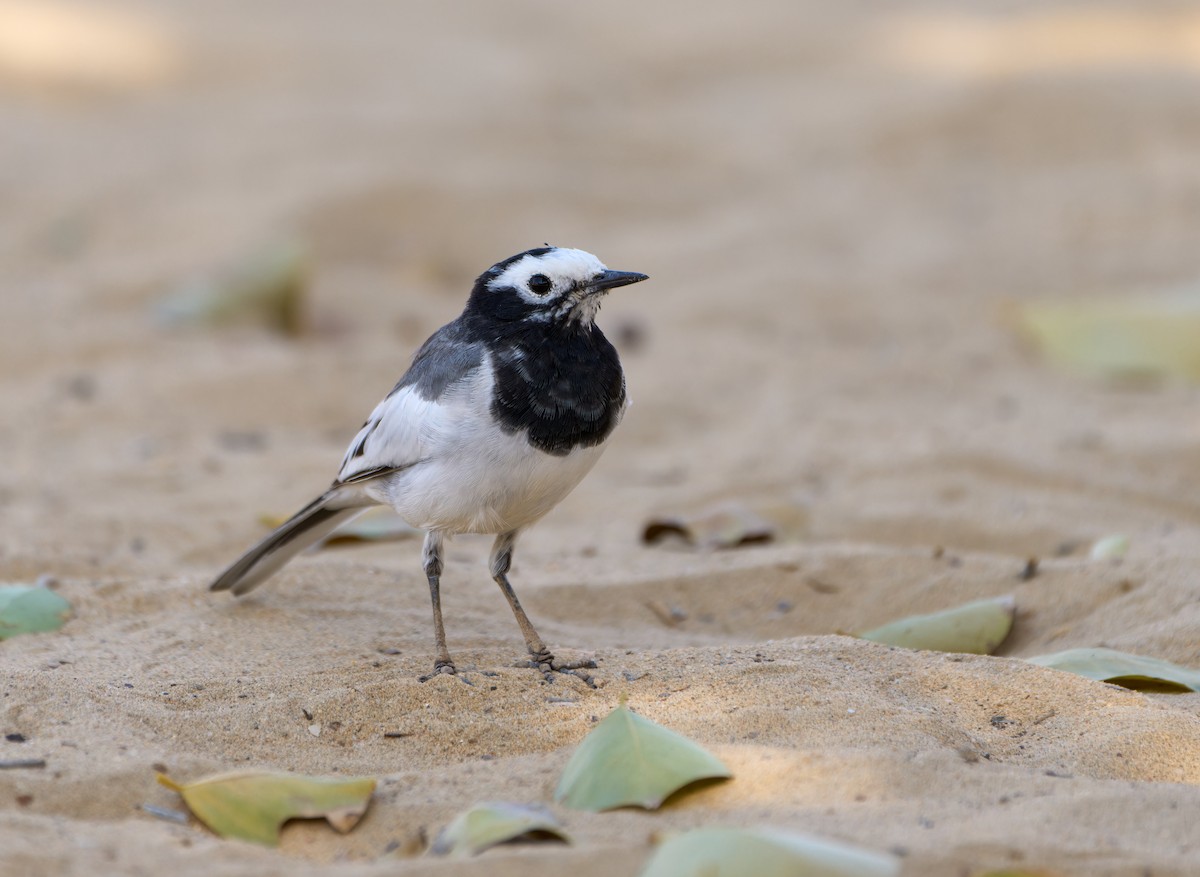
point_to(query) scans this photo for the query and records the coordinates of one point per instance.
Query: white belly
(473, 477)
(502, 484)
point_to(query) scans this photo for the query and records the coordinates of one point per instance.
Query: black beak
(612, 279)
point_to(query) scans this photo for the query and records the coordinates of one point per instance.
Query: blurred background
(844, 209)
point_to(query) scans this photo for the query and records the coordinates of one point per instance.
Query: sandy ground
(835, 204)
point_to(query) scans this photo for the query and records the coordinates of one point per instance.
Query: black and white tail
(309, 525)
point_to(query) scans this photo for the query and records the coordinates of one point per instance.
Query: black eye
(539, 284)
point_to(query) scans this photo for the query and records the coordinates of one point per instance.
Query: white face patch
(563, 267)
(579, 308)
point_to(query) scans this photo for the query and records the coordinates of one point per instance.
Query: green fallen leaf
(379, 524)
(488, 824)
(733, 852)
(254, 806)
(976, 628)
(629, 760)
(1109, 548)
(1121, 668)
(265, 286)
(1147, 336)
(30, 609)
(376, 525)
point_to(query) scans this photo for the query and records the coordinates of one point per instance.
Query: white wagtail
(502, 412)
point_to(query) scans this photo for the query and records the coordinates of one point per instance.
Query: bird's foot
(441, 668)
(545, 661)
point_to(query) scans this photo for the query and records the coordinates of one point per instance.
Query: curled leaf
(976, 628)
(628, 760)
(491, 823)
(1121, 668)
(266, 286)
(732, 852)
(30, 609)
(1147, 336)
(254, 806)
(727, 525)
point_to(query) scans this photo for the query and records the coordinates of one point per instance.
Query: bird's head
(547, 284)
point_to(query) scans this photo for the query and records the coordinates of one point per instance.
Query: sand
(838, 206)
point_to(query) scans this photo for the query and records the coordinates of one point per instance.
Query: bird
(501, 413)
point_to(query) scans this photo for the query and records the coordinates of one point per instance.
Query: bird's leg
(500, 562)
(431, 557)
(542, 658)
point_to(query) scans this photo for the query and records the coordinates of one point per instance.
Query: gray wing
(392, 437)
(446, 358)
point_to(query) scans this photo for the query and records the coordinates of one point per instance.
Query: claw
(545, 661)
(440, 668)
